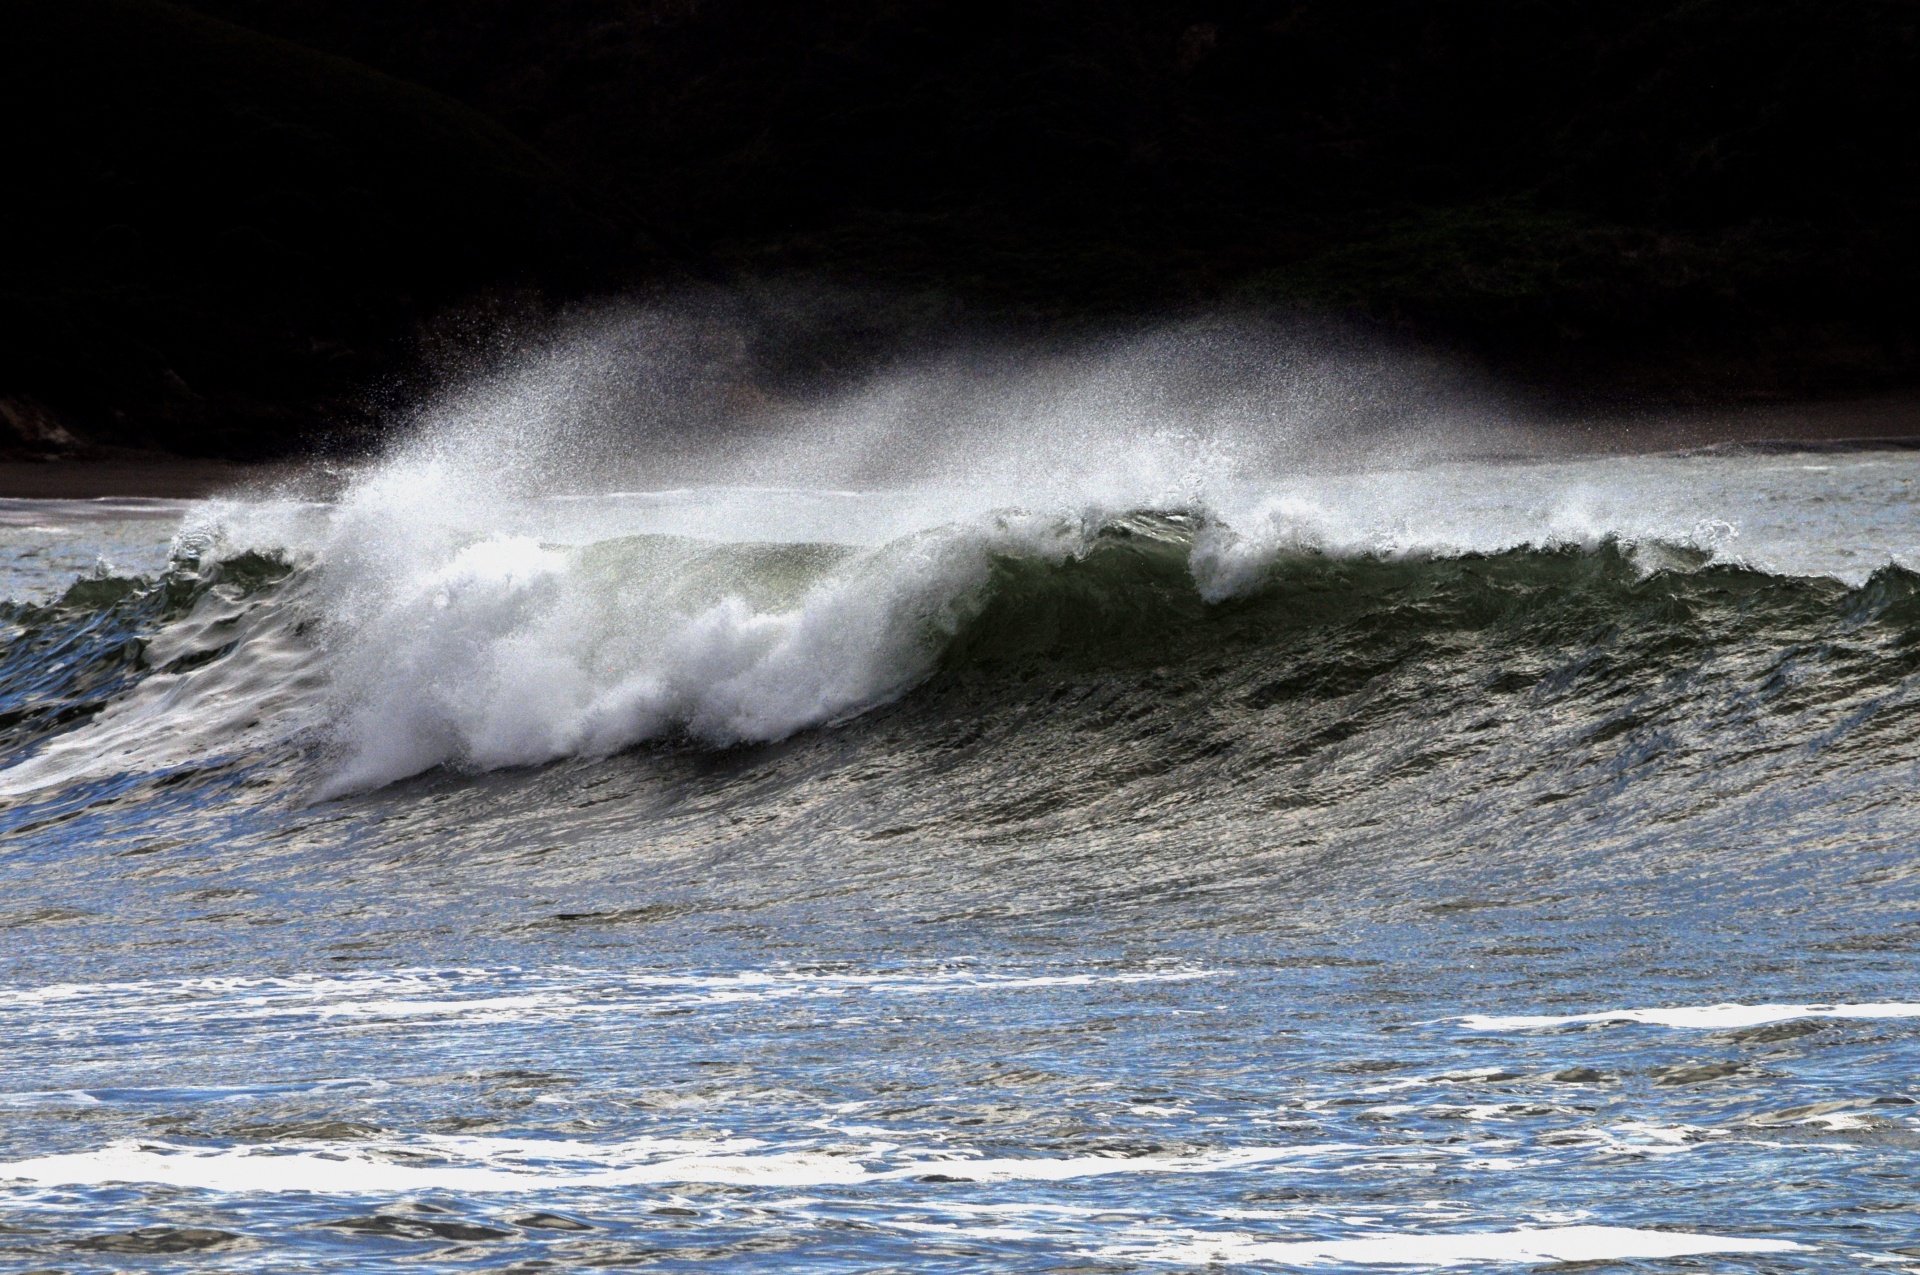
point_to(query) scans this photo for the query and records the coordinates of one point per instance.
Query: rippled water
(1490, 863)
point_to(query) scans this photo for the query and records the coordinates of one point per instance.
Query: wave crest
(510, 650)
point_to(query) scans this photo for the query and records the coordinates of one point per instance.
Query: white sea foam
(349, 1169)
(1722, 1017)
(492, 1165)
(479, 997)
(1548, 1244)
(513, 653)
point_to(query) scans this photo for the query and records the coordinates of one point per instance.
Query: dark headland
(247, 230)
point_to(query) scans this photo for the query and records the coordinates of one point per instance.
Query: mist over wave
(625, 534)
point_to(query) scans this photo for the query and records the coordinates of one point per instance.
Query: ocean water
(1414, 863)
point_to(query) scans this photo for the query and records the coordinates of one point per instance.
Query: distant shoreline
(1863, 424)
(1881, 420)
(157, 475)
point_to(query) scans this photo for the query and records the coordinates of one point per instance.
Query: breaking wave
(581, 554)
(512, 650)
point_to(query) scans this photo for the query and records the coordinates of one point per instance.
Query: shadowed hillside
(218, 241)
(1699, 200)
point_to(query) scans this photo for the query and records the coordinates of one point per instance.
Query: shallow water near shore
(1465, 863)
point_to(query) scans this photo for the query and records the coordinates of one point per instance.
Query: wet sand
(132, 473)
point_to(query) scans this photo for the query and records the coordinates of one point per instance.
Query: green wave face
(1336, 622)
(1102, 658)
(1100, 702)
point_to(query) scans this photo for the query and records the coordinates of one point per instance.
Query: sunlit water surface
(1524, 873)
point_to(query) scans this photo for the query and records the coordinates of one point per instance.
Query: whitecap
(1723, 1017)
(1548, 1244)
